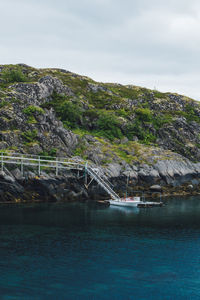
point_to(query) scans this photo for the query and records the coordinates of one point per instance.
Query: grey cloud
(133, 41)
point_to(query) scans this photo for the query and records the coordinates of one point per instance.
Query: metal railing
(57, 163)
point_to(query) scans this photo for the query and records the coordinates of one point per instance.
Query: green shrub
(53, 152)
(4, 103)
(30, 135)
(122, 113)
(13, 74)
(148, 138)
(136, 129)
(131, 129)
(56, 101)
(70, 113)
(80, 150)
(92, 114)
(48, 154)
(31, 120)
(190, 116)
(109, 126)
(30, 110)
(144, 114)
(160, 120)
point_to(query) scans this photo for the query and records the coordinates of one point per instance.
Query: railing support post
(22, 166)
(86, 173)
(56, 166)
(2, 162)
(39, 170)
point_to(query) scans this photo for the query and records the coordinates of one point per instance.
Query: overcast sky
(151, 43)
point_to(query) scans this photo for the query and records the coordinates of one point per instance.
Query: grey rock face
(176, 172)
(113, 170)
(148, 174)
(50, 131)
(37, 93)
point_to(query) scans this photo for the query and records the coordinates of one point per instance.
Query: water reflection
(178, 212)
(125, 210)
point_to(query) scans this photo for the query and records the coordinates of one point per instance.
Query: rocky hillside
(152, 137)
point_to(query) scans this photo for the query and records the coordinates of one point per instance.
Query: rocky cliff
(126, 131)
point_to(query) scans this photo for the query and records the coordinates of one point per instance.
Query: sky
(154, 44)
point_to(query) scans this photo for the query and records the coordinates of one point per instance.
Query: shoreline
(163, 196)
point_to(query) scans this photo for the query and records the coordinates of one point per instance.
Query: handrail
(57, 163)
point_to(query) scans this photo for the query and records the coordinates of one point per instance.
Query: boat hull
(133, 203)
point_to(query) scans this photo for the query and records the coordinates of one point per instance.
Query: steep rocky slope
(151, 137)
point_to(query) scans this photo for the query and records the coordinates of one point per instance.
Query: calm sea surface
(76, 252)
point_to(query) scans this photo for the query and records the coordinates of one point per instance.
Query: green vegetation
(191, 114)
(4, 103)
(30, 135)
(109, 112)
(144, 114)
(13, 74)
(158, 94)
(109, 126)
(136, 129)
(102, 99)
(30, 110)
(160, 120)
(49, 154)
(70, 113)
(31, 120)
(80, 150)
(112, 124)
(125, 91)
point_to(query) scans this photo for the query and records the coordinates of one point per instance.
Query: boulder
(113, 170)
(177, 172)
(155, 188)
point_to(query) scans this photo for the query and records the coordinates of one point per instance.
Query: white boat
(134, 201)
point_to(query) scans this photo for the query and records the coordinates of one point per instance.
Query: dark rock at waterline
(98, 204)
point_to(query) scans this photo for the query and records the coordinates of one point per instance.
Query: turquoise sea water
(76, 252)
